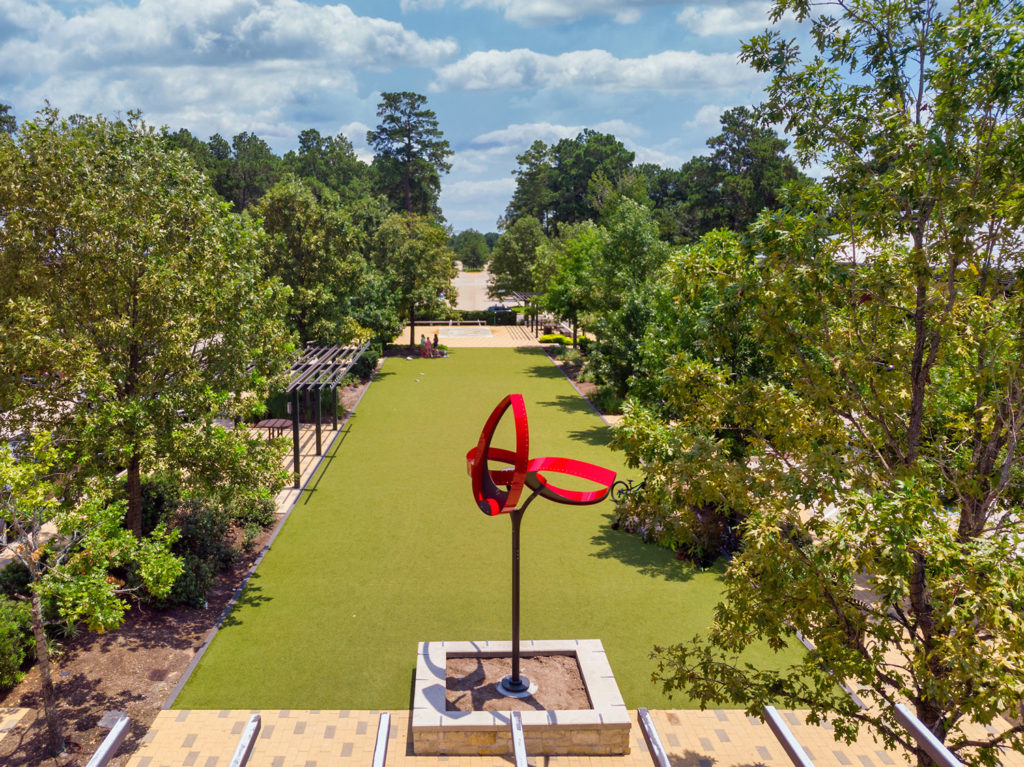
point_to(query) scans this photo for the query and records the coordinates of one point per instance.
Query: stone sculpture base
(601, 729)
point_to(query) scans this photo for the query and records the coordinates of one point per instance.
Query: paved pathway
(464, 336)
(714, 738)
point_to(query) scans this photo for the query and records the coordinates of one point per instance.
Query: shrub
(555, 338)
(161, 495)
(607, 401)
(256, 511)
(584, 343)
(204, 547)
(14, 580)
(16, 641)
(508, 317)
(204, 532)
(368, 362)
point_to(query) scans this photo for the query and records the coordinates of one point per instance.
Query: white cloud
(356, 133)
(628, 16)
(519, 136)
(459, 191)
(707, 117)
(598, 69)
(537, 12)
(426, 5)
(735, 20)
(253, 57)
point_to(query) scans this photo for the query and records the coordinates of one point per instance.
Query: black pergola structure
(319, 368)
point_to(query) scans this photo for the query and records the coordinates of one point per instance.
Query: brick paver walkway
(463, 336)
(714, 738)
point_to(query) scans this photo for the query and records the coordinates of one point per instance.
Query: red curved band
(588, 471)
(489, 497)
(488, 483)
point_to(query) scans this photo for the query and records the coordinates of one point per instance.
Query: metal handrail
(518, 739)
(925, 738)
(110, 743)
(380, 751)
(658, 755)
(247, 742)
(786, 737)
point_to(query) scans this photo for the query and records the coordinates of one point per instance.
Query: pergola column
(316, 397)
(295, 436)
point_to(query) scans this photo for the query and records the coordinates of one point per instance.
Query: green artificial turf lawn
(389, 549)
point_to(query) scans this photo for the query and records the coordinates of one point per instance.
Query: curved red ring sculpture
(488, 483)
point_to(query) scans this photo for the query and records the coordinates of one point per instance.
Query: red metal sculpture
(497, 491)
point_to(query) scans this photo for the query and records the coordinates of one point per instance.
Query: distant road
(472, 287)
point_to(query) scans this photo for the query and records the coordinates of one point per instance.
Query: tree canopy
(553, 183)
(886, 403)
(8, 123)
(313, 248)
(410, 153)
(471, 249)
(514, 261)
(417, 265)
(136, 311)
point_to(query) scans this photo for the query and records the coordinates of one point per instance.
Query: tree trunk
(53, 723)
(133, 517)
(574, 334)
(412, 326)
(407, 187)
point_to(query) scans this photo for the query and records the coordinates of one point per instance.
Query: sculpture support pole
(516, 683)
(517, 521)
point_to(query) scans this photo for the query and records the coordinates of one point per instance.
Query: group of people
(430, 348)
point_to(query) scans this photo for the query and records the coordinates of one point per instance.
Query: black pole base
(514, 688)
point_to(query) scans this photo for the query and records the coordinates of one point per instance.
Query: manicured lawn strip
(389, 549)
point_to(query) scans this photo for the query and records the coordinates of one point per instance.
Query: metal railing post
(518, 739)
(380, 751)
(658, 755)
(247, 742)
(790, 744)
(110, 743)
(925, 738)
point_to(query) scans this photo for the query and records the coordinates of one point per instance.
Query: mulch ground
(132, 669)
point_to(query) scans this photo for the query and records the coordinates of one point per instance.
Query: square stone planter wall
(602, 729)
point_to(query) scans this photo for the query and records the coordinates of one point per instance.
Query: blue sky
(498, 73)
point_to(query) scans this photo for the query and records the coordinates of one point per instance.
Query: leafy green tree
(570, 292)
(894, 400)
(331, 162)
(220, 166)
(136, 312)
(553, 184)
(312, 249)
(471, 249)
(576, 161)
(514, 261)
(8, 123)
(254, 169)
(70, 573)
(413, 255)
(726, 189)
(535, 184)
(410, 153)
(492, 240)
(197, 150)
